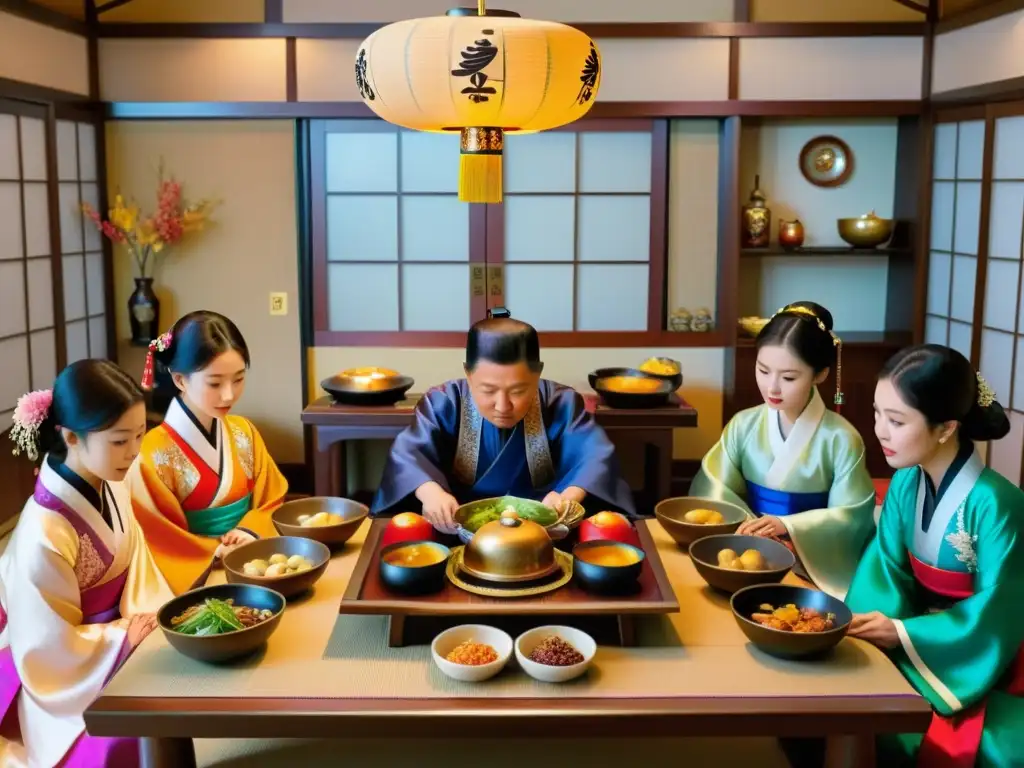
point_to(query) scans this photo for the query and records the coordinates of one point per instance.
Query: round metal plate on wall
(826, 161)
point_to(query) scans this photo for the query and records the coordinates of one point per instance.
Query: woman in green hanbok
(797, 468)
(941, 587)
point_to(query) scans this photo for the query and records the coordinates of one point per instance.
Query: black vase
(144, 312)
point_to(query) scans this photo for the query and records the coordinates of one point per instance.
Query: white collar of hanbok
(927, 545)
(77, 503)
(787, 450)
(182, 422)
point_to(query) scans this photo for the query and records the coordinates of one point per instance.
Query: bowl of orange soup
(607, 566)
(414, 567)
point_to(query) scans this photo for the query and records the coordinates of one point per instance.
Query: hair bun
(983, 423)
(816, 309)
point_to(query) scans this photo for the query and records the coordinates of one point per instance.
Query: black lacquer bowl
(606, 381)
(359, 390)
(413, 579)
(781, 643)
(597, 576)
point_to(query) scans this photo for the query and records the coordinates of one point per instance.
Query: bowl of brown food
(688, 518)
(287, 564)
(631, 388)
(367, 386)
(555, 654)
(414, 567)
(222, 622)
(731, 562)
(790, 622)
(330, 520)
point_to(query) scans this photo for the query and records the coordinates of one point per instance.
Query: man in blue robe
(501, 431)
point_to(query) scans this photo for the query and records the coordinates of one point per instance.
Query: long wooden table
(335, 425)
(328, 676)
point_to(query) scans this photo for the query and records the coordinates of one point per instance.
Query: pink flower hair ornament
(160, 344)
(29, 415)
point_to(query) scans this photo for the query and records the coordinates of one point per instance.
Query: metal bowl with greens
(474, 515)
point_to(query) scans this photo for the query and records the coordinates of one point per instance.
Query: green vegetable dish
(476, 514)
(218, 617)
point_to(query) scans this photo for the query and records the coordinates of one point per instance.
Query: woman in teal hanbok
(941, 587)
(797, 468)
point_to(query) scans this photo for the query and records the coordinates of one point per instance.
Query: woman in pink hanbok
(78, 588)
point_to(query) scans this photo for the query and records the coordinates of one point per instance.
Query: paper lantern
(483, 73)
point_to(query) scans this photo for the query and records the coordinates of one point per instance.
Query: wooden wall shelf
(825, 250)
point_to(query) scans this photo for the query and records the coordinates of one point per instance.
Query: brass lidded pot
(510, 549)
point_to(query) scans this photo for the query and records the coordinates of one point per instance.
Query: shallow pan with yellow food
(790, 622)
(287, 564)
(330, 520)
(630, 388)
(688, 518)
(367, 386)
(732, 561)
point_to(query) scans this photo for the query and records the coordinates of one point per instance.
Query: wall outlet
(279, 303)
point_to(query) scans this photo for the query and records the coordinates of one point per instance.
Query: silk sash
(768, 501)
(216, 521)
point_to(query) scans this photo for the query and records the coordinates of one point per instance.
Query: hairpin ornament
(160, 344)
(29, 415)
(985, 394)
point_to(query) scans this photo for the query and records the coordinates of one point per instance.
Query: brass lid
(510, 549)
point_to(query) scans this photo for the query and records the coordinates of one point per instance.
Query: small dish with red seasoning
(555, 654)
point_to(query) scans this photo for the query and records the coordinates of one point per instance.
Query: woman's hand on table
(766, 526)
(875, 628)
(139, 627)
(439, 506)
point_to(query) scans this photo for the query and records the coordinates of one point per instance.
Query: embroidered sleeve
(243, 445)
(175, 470)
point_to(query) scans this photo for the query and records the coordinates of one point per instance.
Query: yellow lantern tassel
(480, 165)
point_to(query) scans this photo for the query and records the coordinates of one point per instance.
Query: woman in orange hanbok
(204, 482)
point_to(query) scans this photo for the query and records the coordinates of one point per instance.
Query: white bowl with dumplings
(290, 565)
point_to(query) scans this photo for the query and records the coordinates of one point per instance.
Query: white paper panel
(70, 219)
(87, 152)
(540, 162)
(10, 161)
(965, 269)
(434, 228)
(1001, 285)
(44, 359)
(33, 149)
(67, 151)
(944, 155)
(362, 228)
(98, 337)
(363, 297)
(615, 162)
(1008, 157)
(77, 337)
(960, 338)
(540, 294)
(942, 215)
(540, 228)
(968, 217)
(91, 195)
(423, 285)
(940, 268)
(1005, 455)
(15, 382)
(12, 298)
(40, 293)
(74, 287)
(970, 147)
(1005, 219)
(94, 283)
(37, 220)
(666, 69)
(430, 162)
(612, 297)
(614, 228)
(11, 246)
(936, 330)
(997, 361)
(362, 162)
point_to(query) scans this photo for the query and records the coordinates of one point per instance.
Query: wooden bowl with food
(328, 519)
(731, 562)
(471, 653)
(790, 622)
(222, 622)
(287, 564)
(688, 518)
(414, 567)
(631, 388)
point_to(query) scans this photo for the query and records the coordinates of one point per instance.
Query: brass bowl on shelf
(510, 549)
(753, 325)
(368, 385)
(867, 231)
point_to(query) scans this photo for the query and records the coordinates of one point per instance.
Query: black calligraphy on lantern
(362, 81)
(475, 59)
(591, 69)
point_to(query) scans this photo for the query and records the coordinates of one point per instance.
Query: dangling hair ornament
(985, 394)
(836, 342)
(160, 344)
(29, 415)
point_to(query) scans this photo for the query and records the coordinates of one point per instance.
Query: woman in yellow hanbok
(797, 468)
(204, 482)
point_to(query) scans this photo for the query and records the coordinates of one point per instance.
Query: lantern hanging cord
(481, 10)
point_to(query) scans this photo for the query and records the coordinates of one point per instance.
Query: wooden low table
(367, 594)
(328, 676)
(651, 429)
